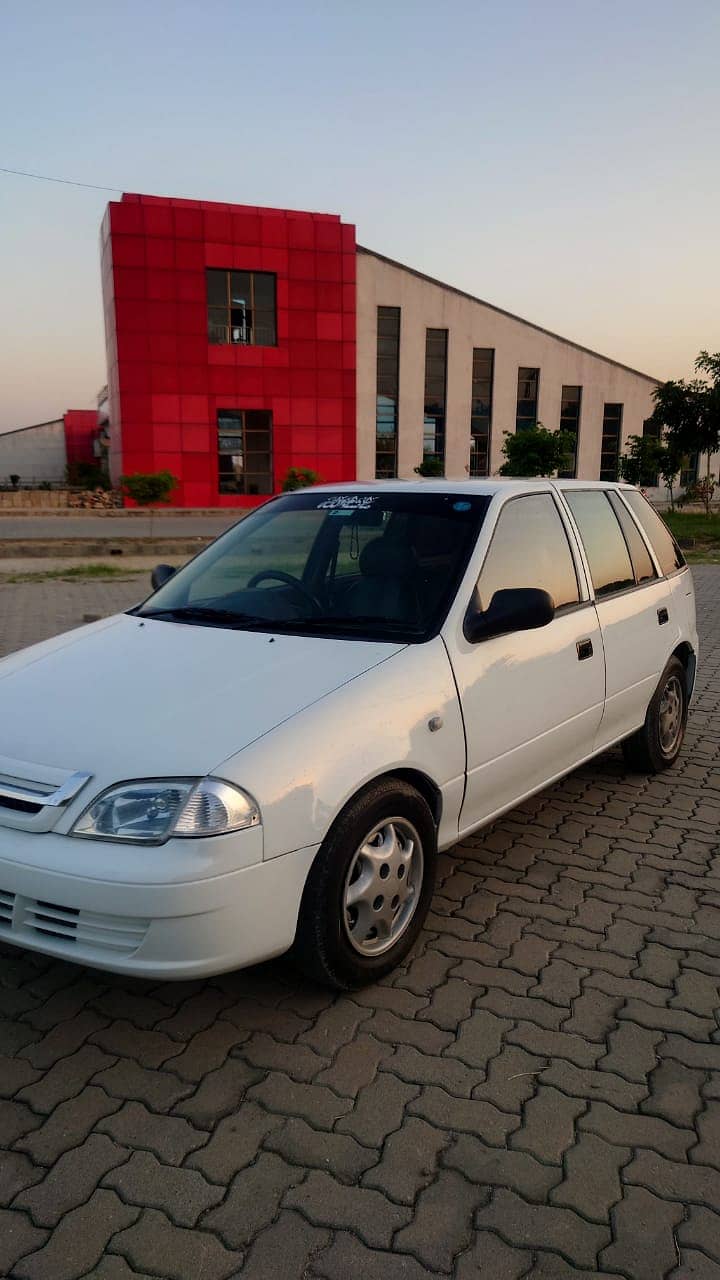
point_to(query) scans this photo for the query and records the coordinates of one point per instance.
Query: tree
(641, 464)
(537, 452)
(689, 412)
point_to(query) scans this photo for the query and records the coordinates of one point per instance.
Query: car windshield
(375, 566)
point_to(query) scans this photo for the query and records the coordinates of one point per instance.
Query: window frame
(481, 354)
(383, 316)
(682, 568)
(527, 423)
(241, 416)
(575, 386)
(584, 600)
(611, 404)
(228, 272)
(622, 591)
(441, 416)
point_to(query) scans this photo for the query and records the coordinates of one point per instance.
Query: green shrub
(430, 466)
(299, 478)
(146, 488)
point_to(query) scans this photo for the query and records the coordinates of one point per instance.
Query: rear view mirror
(519, 609)
(160, 575)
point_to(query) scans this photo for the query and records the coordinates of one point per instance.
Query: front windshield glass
(379, 565)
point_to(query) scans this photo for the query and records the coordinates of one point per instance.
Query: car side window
(669, 555)
(639, 554)
(530, 548)
(605, 546)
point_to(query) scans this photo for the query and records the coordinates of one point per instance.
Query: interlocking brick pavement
(534, 1095)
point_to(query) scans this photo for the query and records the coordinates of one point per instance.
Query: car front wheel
(369, 888)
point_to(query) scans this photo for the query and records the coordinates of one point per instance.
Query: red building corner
(230, 334)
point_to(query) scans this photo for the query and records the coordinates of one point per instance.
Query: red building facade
(81, 428)
(230, 334)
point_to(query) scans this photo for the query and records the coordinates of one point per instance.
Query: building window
(527, 398)
(689, 470)
(651, 431)
(241, 307)
(570, 422)
(387, 392)
(245, 451)
(436, 347)
(481, 410)
(610, 447)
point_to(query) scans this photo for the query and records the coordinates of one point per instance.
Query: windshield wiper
(349, 622)
(206, 612)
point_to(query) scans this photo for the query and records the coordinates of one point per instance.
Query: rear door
(532, 700)
(634, 606)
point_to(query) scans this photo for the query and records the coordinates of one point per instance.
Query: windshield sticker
(461, 506)
(349, 502)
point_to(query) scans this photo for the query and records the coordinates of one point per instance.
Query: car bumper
(165, 931)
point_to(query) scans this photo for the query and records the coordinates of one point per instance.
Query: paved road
(112, 527)
(535, 1094)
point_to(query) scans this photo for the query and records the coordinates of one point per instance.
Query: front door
(532, 700)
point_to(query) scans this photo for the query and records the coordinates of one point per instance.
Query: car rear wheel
(656, 746)
(369, 888)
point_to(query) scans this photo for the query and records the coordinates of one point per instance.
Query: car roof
(487, 486)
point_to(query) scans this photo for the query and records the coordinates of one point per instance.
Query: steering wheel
(278, 575)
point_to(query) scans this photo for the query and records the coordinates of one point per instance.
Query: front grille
(72, 927)
(7, 905)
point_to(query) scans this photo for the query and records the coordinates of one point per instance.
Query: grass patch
(78, 572)
(698, 535)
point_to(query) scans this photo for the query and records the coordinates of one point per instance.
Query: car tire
(369, 888)
(656, 746)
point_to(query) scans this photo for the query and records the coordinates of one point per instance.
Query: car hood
(131, 698)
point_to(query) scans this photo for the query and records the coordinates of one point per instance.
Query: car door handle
(584, 649)
(663, 616)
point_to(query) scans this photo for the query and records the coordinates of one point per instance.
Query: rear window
(605, 546)
(639, 554)
(664, 545)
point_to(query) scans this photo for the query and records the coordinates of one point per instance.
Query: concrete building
(43, 453)
(242, 341)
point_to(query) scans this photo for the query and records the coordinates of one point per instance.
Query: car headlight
(150, 812)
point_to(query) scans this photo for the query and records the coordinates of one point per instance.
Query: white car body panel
(302, 723)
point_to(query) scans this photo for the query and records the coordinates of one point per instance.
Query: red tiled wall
(80, 430)
(166, 382)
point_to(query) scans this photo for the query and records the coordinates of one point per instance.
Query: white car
(269, 751)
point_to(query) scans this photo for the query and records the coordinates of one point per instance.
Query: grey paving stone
(409, 1161)
(315, 1103)
(169, 1137)
(543, 1226)
(68, 1125)
(65, 1078)
(234, 1143)
(79, 1241)
(253, 1199)
(158, 1090)
(327, 1203)
(464, 1115)
(591, 1185)
(500, 1167)
(18, 1237)
(490, 1256)
(378, 1110)
(182, 1194)
(336, 1153)
(643, 1226)
(220, 1093)
(286, 1249)
(71, 1180)
(349, 1257)
(155, 1245)
(442, 1224)
(549, 1124)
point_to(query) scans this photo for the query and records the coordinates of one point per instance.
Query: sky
(554, 157)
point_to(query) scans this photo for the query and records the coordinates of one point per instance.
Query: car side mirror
(518, 609)
(160, 575)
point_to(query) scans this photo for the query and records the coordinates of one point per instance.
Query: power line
(67, 182)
